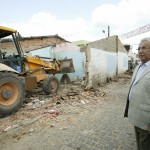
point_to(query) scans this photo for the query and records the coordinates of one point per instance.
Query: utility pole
(108, 31)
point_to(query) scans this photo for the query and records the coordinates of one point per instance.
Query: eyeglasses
(143, 48)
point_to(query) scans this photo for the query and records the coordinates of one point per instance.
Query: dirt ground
(55, 114)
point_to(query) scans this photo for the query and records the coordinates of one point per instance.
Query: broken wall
(105, 59)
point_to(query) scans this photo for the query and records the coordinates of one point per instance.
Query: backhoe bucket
(66, 66)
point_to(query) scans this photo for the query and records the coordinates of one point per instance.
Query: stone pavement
(100, 126)
(104, 127)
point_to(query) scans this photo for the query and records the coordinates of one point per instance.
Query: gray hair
(146, 39)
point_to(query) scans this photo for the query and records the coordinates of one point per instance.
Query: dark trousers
(142, 139)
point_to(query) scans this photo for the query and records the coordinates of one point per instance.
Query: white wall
(122, 62)
(104, 65)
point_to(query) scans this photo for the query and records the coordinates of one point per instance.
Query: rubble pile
(38, 106)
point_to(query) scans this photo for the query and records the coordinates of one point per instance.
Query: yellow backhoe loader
(20, 73)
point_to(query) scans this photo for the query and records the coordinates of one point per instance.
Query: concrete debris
(37, 105)
(82, 102)
(52, 111)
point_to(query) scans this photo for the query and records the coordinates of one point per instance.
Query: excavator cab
(10, 50)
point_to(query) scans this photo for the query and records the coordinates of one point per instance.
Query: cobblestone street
(91, 126)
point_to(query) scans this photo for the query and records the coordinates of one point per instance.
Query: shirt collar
(147, 63)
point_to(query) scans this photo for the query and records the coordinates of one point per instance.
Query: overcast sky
(75, 19)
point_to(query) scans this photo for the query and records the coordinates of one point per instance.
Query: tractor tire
(12, 93)
(50, 85)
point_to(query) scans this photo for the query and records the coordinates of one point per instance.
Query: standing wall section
(106, 58)
(102, 66)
